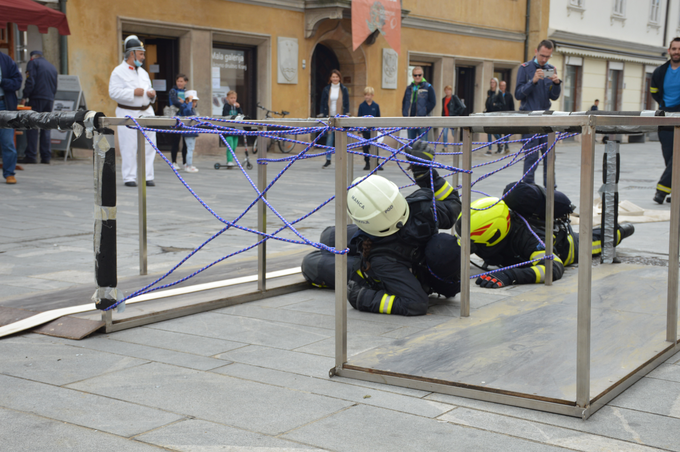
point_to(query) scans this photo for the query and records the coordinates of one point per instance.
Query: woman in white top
(334, 95)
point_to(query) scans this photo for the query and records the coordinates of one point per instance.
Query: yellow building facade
(279, 53)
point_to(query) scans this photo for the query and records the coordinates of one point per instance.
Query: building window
(620, 8)
(648, 101)
(572, 88)
(614, 87)
(578, 6)
(577, 3)
(233, 69)
(654, 11)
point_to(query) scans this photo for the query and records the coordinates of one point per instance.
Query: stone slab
(284, 360)
(370, 429)
(79, 408)
(209, 396)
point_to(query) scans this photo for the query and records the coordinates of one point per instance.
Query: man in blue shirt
(40, 88)
(537, 85)
(665, 89)
(10, 82)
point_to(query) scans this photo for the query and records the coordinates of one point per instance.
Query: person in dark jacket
(368, 108)
(40, 88)
(333, 97)
(10, 82)
(176, 98)
(535, 89)
(509, 106)
(665, 89)
(419, 100)
(231, 108)
(451, 106)
(596, 105)
(396, 257)
(494, 102)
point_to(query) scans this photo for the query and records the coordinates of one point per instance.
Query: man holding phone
(537, 85)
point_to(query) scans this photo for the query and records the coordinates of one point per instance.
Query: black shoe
(150, 183)
(627, 229)
(668, 200)
(326, 165)
(26, 160)
(131, 184)
(659, 197)
(45, 162)
(367, 167)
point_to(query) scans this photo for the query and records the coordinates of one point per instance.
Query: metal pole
(105, 253)
(262, 144)
(673, 252)
(457, 137)
(465, 226)
(373, 161)
(585, 261)
(350, 165)
(340, 244)
(549, 207)
(141, 191)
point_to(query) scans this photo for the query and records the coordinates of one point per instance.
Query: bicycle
(284, 146)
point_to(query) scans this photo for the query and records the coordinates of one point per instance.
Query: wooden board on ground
(10, 315)
(526, 344)
(70, 327)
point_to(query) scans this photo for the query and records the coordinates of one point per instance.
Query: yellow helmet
(489, 226)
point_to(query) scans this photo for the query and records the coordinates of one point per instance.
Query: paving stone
(50, 361)
(191, 361)
(356, 343)
(556, 436)
(187, 343)
(242, 329)
(209, 396)
(669, 372)
(329, 387)
(196, 435)
(653, 396)
(75, 407)
(364, 428)
(613, 422)
(24, 432)
(285, 360)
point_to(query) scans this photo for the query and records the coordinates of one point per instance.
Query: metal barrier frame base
(519, 400)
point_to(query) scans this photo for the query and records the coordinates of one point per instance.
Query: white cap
(191, 93)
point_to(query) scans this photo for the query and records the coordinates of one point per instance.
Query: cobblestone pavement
(254, 377)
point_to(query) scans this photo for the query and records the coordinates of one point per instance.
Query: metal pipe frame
(549, 206)
(373, 161)
(585, 268)
(466, 199)
(341, 219)
(673, 253)
(141, 191)
(262, 145)
(457, 138)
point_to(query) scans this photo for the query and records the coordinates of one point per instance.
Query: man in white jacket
(131, 88)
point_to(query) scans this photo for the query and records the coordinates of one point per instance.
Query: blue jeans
(531, 159)
(413, 133)
(496, 136)
(330, 141)
(191, 144)
(9, 152)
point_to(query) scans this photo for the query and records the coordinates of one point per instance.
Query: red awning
(27, 12)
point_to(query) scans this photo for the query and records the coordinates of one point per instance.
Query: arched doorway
(336, 45)
(323, 62)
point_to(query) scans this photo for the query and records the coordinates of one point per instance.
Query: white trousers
(127, 140)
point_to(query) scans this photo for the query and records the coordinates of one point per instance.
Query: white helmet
(377, 206)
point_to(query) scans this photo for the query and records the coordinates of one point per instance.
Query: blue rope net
(313, 149)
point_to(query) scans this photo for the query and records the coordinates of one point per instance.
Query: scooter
(246, 162)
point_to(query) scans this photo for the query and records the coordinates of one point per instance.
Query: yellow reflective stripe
(389, 306)
(653, 90)
(597, 247)
(429, 155)
(536, 255)
(361, 274)
(618, 236)
(321, 286)
(443, 192)
(572, 251)
(382, 304)
(540, 273)
(663, 188)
